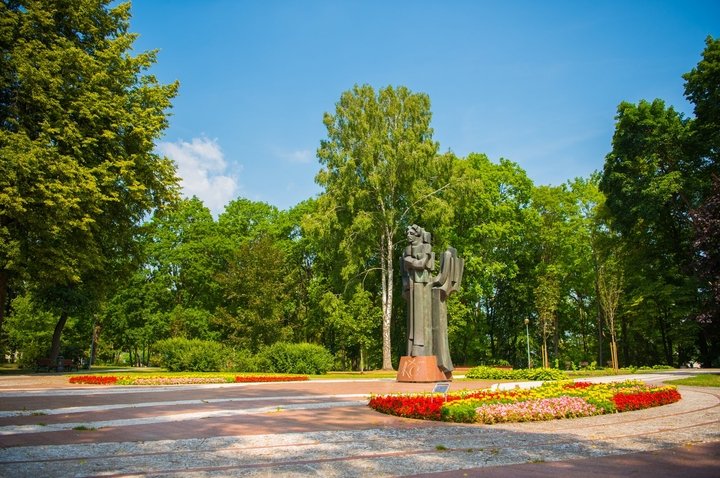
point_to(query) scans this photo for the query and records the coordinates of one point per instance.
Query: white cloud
(299, 156)
(202, 168)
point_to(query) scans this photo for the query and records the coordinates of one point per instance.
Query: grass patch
(12, 369)
(700, 380)
(83, 428)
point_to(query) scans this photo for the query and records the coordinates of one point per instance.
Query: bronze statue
(426, 296)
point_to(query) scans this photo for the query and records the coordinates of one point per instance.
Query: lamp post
(527, 336)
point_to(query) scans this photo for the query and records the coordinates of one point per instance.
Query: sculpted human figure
(417, 264)
(446, 282)
(426, 296)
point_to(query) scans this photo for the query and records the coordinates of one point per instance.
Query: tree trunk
(600, 338)
(489, 313)
(386, 256)
(626, 339)
(666, 340)
(362, 359)
(3, 297)
(556, 336)
(93, 345)
(57, 334)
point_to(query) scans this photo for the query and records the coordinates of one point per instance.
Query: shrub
(542, 374)
(489, 373)
(185, 355)
(308, 359)
(244, 361)
(496, 363)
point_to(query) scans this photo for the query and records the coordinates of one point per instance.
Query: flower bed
(637, 401)
(429, 406)
(270, 378)
(549, 401)
(94, 379)
(182, 380)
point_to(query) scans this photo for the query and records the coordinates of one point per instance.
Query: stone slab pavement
(324, 428)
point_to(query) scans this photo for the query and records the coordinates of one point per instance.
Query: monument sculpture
(426, 294)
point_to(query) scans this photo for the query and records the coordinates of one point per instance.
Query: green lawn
(700, 380)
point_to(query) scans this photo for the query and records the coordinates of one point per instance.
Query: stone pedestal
(421, 369)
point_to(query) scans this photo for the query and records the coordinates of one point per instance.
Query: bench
(60, 364)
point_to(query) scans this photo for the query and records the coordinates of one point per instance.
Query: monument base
(421, 369)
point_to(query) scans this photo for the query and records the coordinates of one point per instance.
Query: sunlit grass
(700, 380)
(10, 369)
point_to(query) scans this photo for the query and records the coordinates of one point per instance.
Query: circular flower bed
(550, 401)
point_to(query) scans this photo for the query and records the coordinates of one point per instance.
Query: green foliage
(79, 117)
(310, 359)
(630, 254)
(491, 373)
(541, 374)
(192, 355)
(496, 363)
(30, 328)
(379, 165)
(461, 411)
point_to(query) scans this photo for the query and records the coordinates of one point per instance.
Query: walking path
(324, 428)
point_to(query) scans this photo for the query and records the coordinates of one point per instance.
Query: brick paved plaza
(324, 428)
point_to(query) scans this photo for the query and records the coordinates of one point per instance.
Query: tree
(78, 121)
(610, 286)
(590, 232)
(702, 88)
(649, 179)
(378, 167)
(493, 229)
(254, 288)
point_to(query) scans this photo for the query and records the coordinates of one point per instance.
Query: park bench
(60, 364)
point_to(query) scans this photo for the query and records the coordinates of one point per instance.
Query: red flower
(641, 400)
(270, 378)
(424, 407)
(94, 379)
(581, 385)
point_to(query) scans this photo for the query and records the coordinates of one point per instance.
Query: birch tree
(379, 173)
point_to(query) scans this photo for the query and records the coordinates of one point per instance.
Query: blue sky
(537, 82)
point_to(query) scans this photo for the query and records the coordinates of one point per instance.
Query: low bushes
(551, 400)
(185, 355)
(492, 373)
(180, 355)
(304, 358)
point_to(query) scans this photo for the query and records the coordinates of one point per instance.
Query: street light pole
(527, 336)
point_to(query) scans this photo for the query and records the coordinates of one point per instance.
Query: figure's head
(415, 234)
